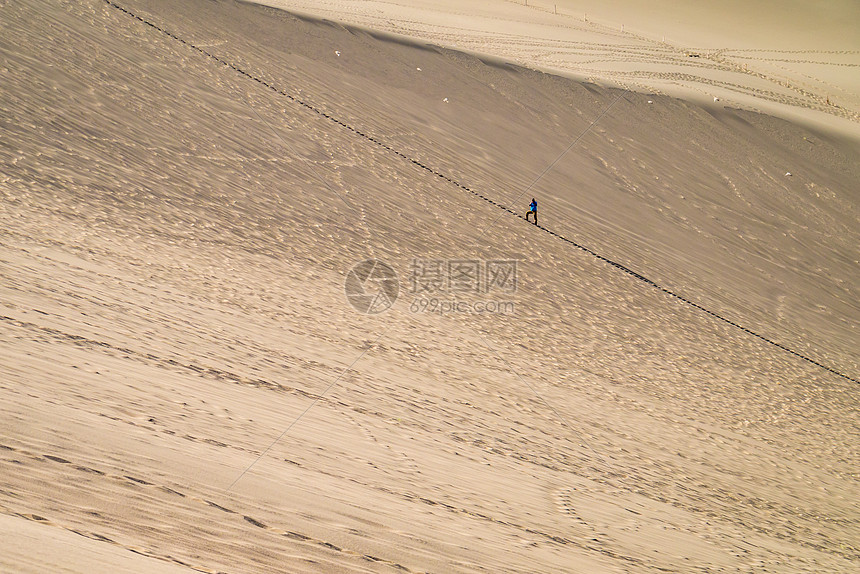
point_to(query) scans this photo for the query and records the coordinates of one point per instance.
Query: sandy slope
(175, 237)
(797, 59)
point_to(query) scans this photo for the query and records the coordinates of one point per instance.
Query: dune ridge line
(436, 173)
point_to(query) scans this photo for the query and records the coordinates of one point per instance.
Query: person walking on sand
(532, 210)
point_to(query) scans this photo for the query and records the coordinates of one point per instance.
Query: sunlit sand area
(799, 60)
(201, 372)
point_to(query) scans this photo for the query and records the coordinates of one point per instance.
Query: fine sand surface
(796, 58)
(184, 187)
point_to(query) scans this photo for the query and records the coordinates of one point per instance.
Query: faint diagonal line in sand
(313, 170)
(247, 103)
(310, 406)
(544, 401)
(561, 155)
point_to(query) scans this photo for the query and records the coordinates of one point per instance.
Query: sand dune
(185, 386)
(798, 60)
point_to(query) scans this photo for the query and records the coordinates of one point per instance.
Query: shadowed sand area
(184, 386)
